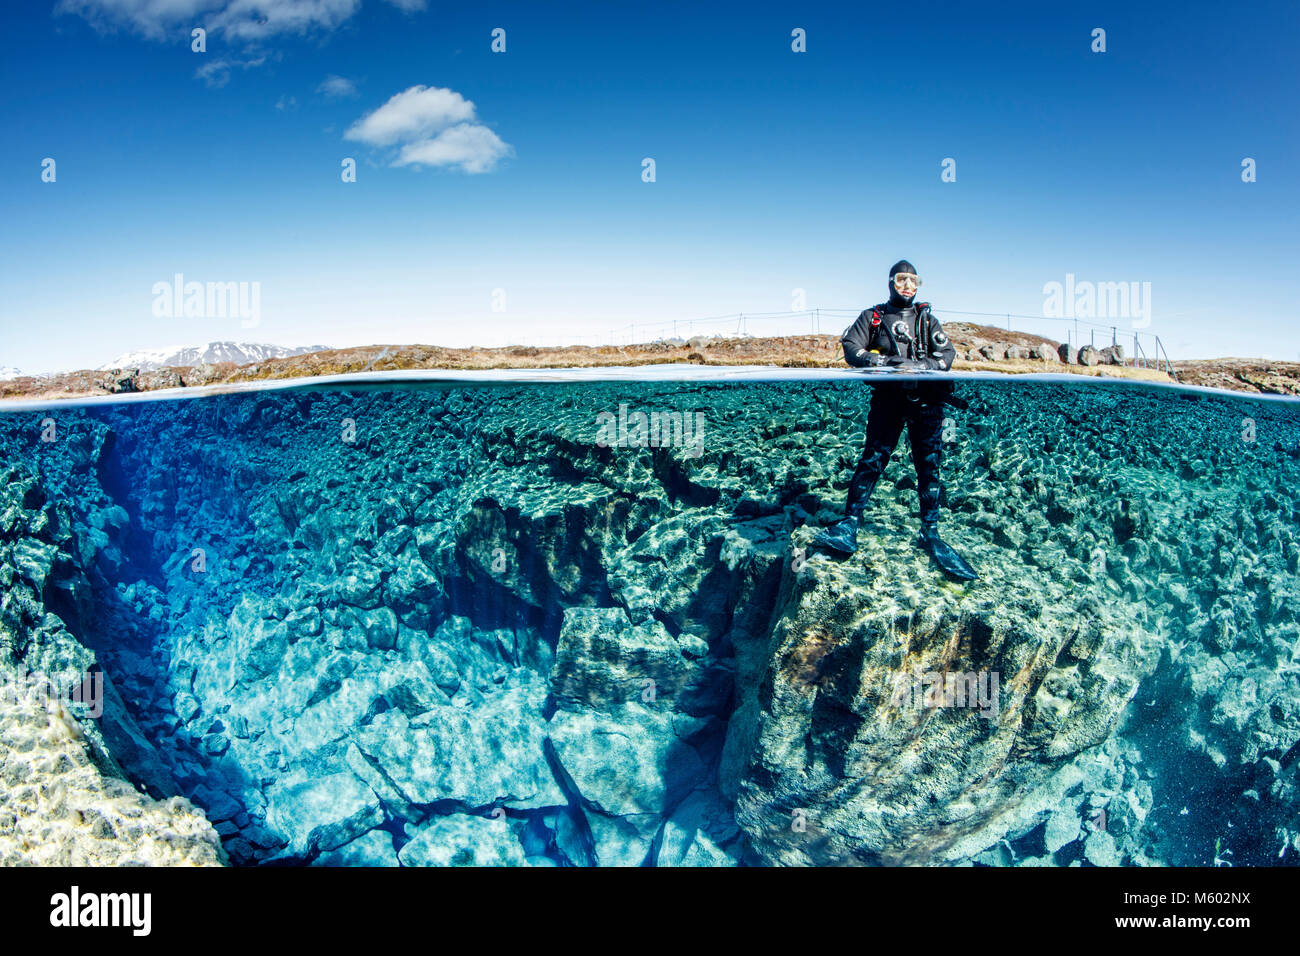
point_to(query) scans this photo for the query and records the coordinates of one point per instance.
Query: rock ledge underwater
(450, 626)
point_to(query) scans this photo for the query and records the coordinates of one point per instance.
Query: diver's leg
(884, 425)
(925, 433)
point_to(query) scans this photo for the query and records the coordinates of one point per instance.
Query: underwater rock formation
(65, 733)
(452, 626)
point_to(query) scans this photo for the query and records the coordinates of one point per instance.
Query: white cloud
(253, 19)
(216, 73)
(409, 6)
(238, 19)
(153, 18)
(474, 148)
(286, 103)
(433, 126)
(412, 114)
(337, 87)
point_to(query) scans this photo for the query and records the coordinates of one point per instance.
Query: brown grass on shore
(789, 351)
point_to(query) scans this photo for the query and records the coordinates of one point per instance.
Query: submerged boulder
(462, 840)
(893, 732)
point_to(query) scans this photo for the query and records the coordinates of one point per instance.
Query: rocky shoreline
(979, 348)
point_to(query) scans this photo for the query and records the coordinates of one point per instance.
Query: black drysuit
(905, 334)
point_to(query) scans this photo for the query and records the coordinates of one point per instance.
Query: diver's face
(905, 284)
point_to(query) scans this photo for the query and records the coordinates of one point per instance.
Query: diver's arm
(857, 341)
(940, 352)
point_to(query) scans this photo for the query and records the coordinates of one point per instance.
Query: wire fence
(1142, 349)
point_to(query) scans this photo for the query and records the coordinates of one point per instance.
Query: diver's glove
(871, 359)
(949, 560)
(841, 536)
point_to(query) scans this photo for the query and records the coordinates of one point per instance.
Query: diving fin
(952, 563)
(841, 536)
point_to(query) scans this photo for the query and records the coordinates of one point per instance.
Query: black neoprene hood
(902, 265)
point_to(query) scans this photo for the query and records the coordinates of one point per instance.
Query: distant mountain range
(6, 373)
(241, 353)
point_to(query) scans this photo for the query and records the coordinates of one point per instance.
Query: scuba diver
(904, 335)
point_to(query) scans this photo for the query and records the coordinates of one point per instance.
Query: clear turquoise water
(458, 623)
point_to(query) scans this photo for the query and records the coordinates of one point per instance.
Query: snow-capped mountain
(6, 373)
(183, 356)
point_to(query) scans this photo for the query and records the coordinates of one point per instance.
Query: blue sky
(775, 170)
